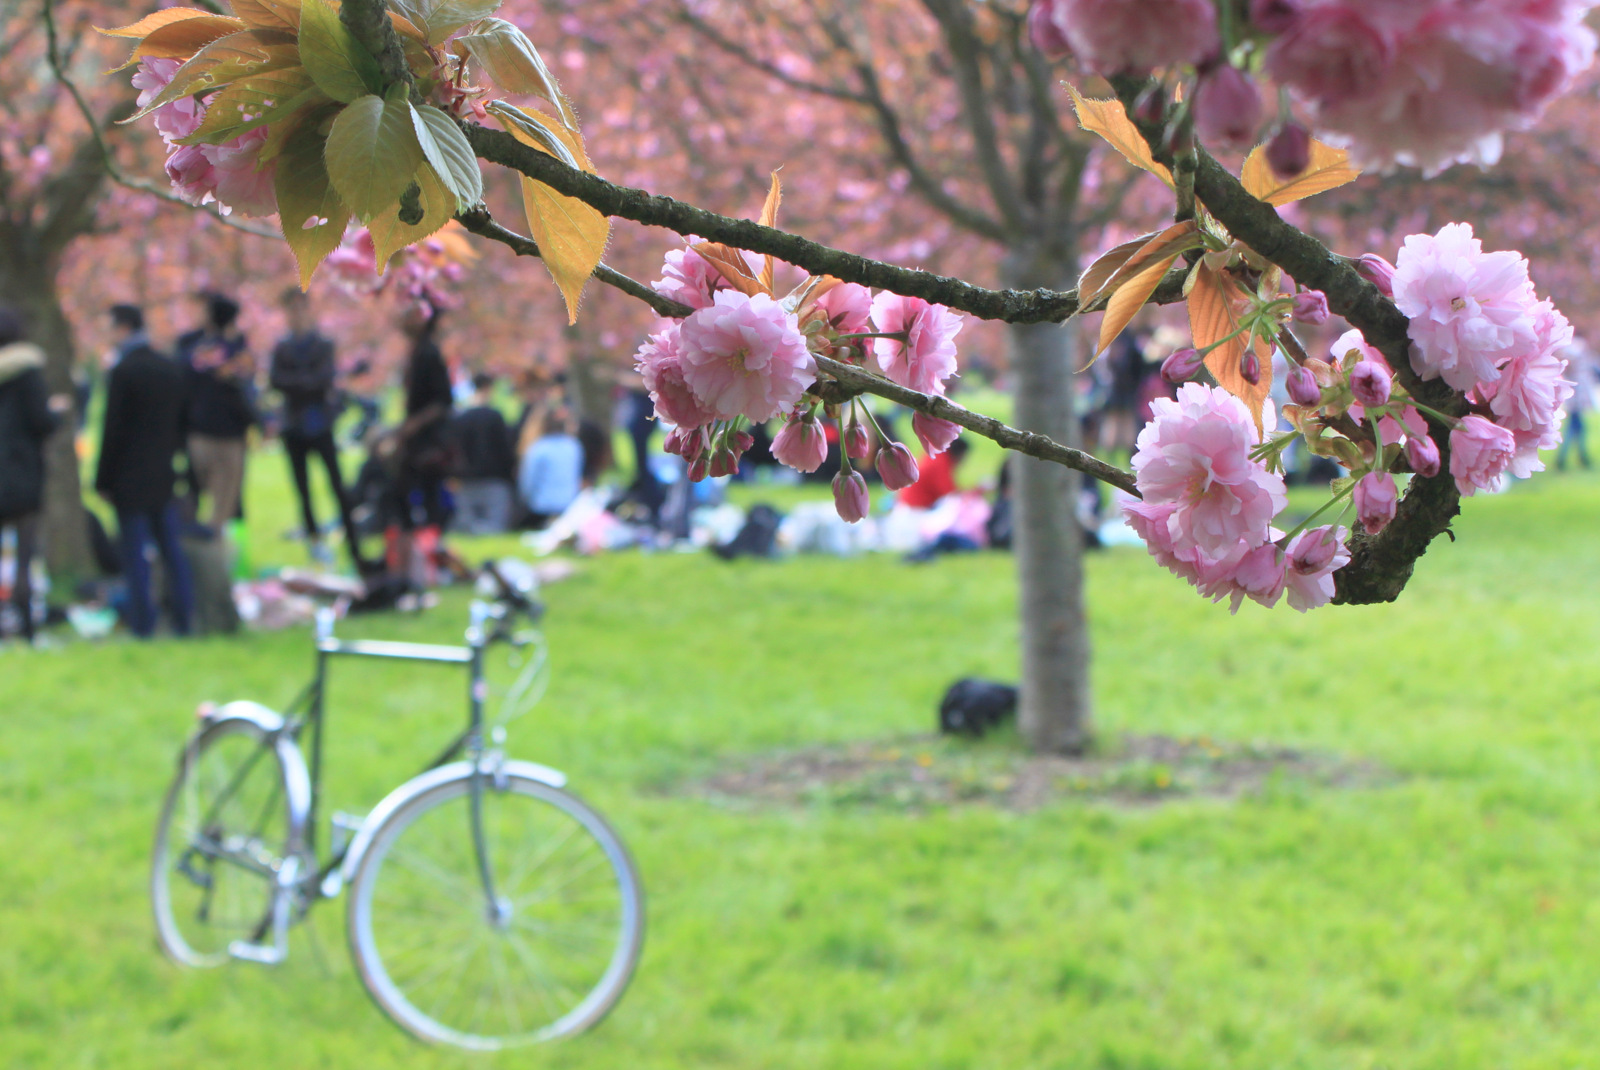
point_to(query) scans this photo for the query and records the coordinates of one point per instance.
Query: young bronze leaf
(769, 218)
(1174, 241)
(1093, 281)
(255, 101)
(405, 28)
(449, 154)
(372, 152)
(390, 235)
(1129, 299)
(505, 54)
(445, 17)
(1329, 168)
(1214, 307)
(1108, 119)
(310, 211)
(155, 20)
(341, 67)
(182, 39)
(529, 128)
(218, 64)
(734, 267)
(269, 14)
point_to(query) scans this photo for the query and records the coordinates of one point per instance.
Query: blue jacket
(551, 474)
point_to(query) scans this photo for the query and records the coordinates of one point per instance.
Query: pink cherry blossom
(193, 175)
(1480, 452)
(1195, 453)
(1312, 558)
(1531, 392)
(660, 362)
(1330, 53)
(1260, 576)
(1470, 311)
(801, 445)
(1376, 498)
(847, 308)
(1117, 36)
(688, 277)
(1371, 383)
(934, 434)
(1351, 341)
(239, 185)
(1303, 387)
(1310, 306)
(174, 119)
(928, 355)
(1227, 108)
(745, 356)
(1422, 453)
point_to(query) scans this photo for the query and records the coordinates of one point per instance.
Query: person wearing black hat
(144, 429)
(220, 371)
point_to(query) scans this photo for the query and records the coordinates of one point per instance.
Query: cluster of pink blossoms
(1208, 506)
(225, 173)
(1477, 323)
(743, 357)
(1423, 83)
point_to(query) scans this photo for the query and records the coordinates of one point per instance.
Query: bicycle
(488, 907)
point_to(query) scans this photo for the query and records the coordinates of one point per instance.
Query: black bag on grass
(972, 707)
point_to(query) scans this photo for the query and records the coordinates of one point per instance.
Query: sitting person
(551, 472)
(936, 477)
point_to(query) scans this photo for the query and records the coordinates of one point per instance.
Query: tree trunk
(1054, 712)
(591, 384)
(29, 283)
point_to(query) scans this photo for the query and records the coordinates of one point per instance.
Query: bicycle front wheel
(548, 958)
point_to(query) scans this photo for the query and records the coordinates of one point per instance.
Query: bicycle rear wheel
(549, 959)
(225, 830)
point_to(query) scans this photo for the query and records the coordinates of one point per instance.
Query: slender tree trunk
(28, 281)
(1055, 712)
(591, 383)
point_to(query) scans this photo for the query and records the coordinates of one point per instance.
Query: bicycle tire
(430, 891)
(225, 851)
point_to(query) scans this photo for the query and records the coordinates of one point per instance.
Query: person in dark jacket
(422, 451)
(144, 429)
(220, 370)
(27, 417)
(487, 464)
(303, 372)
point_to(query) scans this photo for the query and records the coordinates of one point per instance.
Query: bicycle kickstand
(278, 950)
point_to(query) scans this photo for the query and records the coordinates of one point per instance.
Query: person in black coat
(27, 417)
(146, 399)
(488, 464)
(216, 357)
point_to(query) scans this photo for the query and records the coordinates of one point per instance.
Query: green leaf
(306, 195)
(372, 152)
(449, 154)
(525, 127)
(255, 101)
(438, 19)
(337, 62)
(509, 59)
(390, 235)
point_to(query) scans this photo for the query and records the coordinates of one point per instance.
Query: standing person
(423, 444)
(552, 470)
(143, 431)
(488, 463)
(1580, 366)
(27, 418)
(220, 373)
(303, 372)
(1119, 419)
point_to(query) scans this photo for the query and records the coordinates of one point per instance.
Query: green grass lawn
(1445, 920)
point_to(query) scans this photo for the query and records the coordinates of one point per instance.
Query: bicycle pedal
(266, 956)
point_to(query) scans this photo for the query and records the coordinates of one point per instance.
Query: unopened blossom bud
(934, 434)
(1310, 307)
(850, 496)
(1250, 366)
(856, 443)
(1182, 365)
(1227, 108)
(1371, 383)
(723, 463)
(1274, 16)
(740, 442)
(1303, 388)
(673, 443)
(1378, 271)
(1043, 31)
(698, 468)
(1376, 497)
(1313, 552)
(1423, 455)
(896, 467)
(800, 445)
(1289, 151)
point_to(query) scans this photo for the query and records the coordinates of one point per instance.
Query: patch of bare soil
(919, 772)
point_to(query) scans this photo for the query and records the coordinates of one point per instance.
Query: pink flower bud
(934, 434)
(723, 463)
(1043, 31)
(1274, 16)
(1423, 455)
(673, 443)
(1312, 552)
(1182, 365)
(850, 496)
(856, 443)
(896, 467)
(698, 467)
(1378, 271)
(1303, 388)
(801, 445)
(1311, 307)
(741, 442)
(1250, 366)
(1370, 383)
(1227, 108)
(1289, 151)
(1376, 497)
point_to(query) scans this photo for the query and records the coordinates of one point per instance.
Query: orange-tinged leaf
(1329, 168)
(1095, 277)
(1174, 241)
(1108, 119)
(224, 60)
(404, 27)
(1129, 299)
(269, 14)
(1214, 307)
(731, 262)
(155, 20)
(769, 218)
(182, 39)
